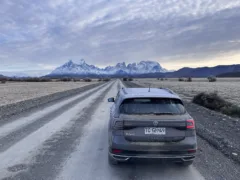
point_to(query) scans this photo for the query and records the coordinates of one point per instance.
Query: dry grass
(15, 92)
(227, 88)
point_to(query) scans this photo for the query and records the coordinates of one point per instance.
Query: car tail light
(190, 124)
(118, 125)
(192, 151)
(116, 151)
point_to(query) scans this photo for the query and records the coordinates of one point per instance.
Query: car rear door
(152, 129)
(154, 120)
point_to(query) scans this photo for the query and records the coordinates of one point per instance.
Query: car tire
(112, 161)
(185, 163)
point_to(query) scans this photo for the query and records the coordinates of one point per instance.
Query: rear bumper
(126, 157)
(119, 142)
(177, 151)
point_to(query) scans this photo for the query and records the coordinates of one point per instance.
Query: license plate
(155, 131)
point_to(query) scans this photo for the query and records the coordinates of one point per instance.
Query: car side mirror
(111, 99)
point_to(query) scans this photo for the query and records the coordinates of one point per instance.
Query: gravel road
(67, 140)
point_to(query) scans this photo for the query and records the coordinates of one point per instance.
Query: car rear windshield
(157, 106)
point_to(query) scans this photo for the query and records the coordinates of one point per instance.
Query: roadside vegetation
(44, 79)
(214, 102)
(188, 79)
(212, 79)
(127, 79)
(105, 79)
(35, 79)
(162, 79)
(3, 81)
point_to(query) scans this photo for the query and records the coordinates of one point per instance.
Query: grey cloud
(105, 32)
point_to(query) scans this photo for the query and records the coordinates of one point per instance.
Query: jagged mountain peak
(69, 62)
(82, 68)
(122, 64)
(81, 61)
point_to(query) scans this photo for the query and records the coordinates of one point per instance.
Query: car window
(155, 106)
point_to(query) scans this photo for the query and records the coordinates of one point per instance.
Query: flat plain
(228, 88)
(19, 91)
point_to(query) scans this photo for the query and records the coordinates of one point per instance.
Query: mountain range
(204, 71)
(81, 68)
(144, 69)
(1, 76)
(230, 74)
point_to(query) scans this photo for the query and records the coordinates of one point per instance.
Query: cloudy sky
(39, 35)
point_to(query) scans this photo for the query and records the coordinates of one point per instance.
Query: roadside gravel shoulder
(214, 165)
(221, 131)
(19, 107)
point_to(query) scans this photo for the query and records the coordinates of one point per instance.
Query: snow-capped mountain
(82, 68)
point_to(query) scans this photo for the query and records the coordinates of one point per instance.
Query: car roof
(144, 92)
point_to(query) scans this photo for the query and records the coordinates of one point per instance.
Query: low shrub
(180, 79)
(214, 102)
(33, 79)
(45, 80)
(65, 79)
(3, 81)
(125, 79)
(189, 79)
(212, 79)
(130, 79)
(106, 79)
(87, 80)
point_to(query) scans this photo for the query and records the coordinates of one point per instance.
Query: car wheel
(185, 163)
(111, 160)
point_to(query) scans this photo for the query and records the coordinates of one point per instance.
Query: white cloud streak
(104, 32)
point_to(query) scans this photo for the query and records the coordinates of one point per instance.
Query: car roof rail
(124, 90)
(168, 90)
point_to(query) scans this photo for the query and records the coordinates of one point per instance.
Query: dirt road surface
(68, 141)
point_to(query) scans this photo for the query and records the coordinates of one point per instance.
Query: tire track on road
(47, 163)
(35, 123)
(89, 160)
